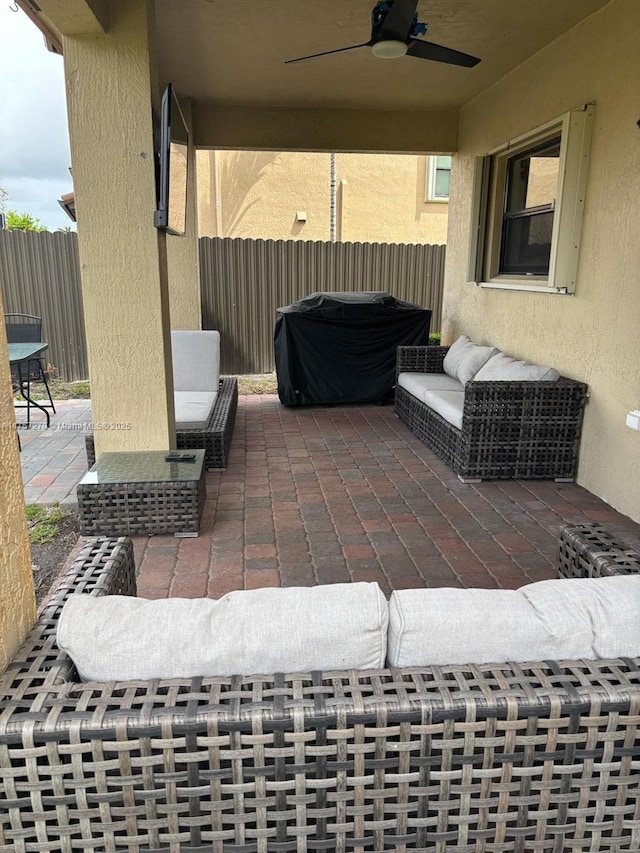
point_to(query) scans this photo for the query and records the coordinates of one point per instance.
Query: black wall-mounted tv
(171, 213)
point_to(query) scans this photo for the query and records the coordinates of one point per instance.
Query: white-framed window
(527, 208)
(438, 177)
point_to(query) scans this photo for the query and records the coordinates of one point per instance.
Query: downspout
(218, 193)
(333, 205)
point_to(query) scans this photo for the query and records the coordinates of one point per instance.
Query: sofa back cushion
(548, 620)
(503, 367)
(295, 629)
(196, 360)
(464, 359)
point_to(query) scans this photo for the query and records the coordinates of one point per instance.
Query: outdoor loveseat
(485, 427)
(538, 756)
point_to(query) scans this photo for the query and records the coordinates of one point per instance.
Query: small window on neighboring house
(527, 208)
(438, 178)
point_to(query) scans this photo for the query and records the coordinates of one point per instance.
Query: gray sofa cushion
(417, 383)
(196, 360)
(193, 408)
(548, 620)
(296, 629)
(503, 367)
(464, 359)
(448, 404)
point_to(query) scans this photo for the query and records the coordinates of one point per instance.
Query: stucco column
(182, 252)
(122, 256)
(17, 601)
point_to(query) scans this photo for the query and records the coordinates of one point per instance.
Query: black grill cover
(341, 347)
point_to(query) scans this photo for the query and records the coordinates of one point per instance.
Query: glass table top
(21, 352)
(144, 466)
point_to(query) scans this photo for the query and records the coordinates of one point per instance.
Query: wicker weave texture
(420, 359)
(509, 758)
(124, 509)
(430, 427)
(214, 439)
(589, 550)
(525, 430)
(103, 567)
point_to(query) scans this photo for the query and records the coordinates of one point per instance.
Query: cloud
(34, 140)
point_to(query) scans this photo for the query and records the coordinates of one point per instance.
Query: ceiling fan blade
(328, 52)
(396, 25)
(437, 53)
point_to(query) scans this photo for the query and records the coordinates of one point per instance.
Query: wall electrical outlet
(633, 419)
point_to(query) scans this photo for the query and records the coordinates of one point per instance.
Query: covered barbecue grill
(341, 347)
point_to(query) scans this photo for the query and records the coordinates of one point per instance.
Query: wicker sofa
(510, 429)
(541, 756)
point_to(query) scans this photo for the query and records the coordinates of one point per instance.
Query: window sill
(522, 286)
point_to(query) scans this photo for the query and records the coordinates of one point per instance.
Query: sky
(34, 138)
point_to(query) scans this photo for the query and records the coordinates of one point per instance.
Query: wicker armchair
(514, 429)
(214, 439)
(196, 369)
(513, 757)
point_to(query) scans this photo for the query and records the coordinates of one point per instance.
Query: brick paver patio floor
(326, 495)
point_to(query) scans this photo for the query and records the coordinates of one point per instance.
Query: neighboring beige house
(554, 283)
(374, 198)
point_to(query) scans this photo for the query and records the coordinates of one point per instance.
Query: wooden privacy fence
(243, 283)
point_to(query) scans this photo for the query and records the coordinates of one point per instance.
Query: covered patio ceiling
(228, 58)
(233, 52)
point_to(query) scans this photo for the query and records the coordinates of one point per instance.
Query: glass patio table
(132, 492)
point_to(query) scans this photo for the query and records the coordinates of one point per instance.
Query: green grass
(43, 522)
(260, 383)
(80, 389)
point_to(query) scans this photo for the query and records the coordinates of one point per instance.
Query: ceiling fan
(394, 27)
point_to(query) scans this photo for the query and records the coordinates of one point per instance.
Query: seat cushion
(448, 404)
(503, 367)
(193, 408)
(548, 620)
(294, 629)
(196, 360)
(464, 359)
(417, 383)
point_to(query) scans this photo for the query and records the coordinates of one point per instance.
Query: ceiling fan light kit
(394, 27)
(389, 49)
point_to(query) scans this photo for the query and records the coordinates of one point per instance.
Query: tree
(22, 222)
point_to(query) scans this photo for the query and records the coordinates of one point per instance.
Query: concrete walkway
(325, 495)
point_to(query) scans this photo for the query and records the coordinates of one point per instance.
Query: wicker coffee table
(141, 492)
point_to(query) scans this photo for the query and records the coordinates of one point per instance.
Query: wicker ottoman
(141, 492)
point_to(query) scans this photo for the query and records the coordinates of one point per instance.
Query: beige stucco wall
(258, 193)
(384, 200)
(122, 256)
(593, 336)
(17, 601)
(236, 127)
(379, 198)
